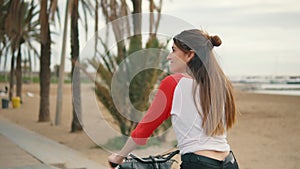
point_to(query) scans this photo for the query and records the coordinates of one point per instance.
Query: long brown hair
(213, 92)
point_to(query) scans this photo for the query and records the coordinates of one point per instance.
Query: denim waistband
(191, 157)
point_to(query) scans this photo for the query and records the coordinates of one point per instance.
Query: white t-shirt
(187, 122)
(175, 100)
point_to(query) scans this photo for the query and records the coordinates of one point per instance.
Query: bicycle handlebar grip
(113, 165)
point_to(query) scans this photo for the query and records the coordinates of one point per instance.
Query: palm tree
(11, 29)
(44, 112)
(21, 28)
(86, 6)
(75, 126)
(4, 8)
(142, 82)
(46, 14)
(60, 75)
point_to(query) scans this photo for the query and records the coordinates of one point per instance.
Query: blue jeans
(195, 161)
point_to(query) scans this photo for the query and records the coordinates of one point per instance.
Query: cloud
(256, 34)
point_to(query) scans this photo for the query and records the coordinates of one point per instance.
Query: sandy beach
(266, 135)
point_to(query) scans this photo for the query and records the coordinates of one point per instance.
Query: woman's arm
(118, 158)
(158, 112)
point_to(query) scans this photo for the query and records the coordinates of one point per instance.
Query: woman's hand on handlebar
(114, 160)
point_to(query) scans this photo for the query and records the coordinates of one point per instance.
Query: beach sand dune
(266, 135)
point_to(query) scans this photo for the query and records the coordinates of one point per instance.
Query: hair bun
(215, 40)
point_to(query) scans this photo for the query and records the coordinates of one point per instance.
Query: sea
(278, 92)
(286, 85)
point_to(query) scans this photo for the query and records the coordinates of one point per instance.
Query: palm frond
(87, 7)
(58, 17)
(53, 9)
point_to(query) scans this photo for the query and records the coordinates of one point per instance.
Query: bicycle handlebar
(152, 159)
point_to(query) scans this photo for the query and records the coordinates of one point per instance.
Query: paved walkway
(21, 148)
(12, 156)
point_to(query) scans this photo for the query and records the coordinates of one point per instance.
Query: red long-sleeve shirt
(159, 110)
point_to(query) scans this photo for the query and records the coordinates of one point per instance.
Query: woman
(198, 98)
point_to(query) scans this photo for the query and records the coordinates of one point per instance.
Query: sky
(259, 37)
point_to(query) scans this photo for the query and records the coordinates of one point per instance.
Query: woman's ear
(190, 55)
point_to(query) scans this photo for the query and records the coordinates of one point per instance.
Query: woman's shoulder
(173, 78)
(170, 82)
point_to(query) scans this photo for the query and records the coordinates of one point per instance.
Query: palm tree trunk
(30, 69)
(59, 97)
(11, 79)
(44, 112)
(96, 27)
(75, 73)
(137, 22)
(19, 74)
(136, 40)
